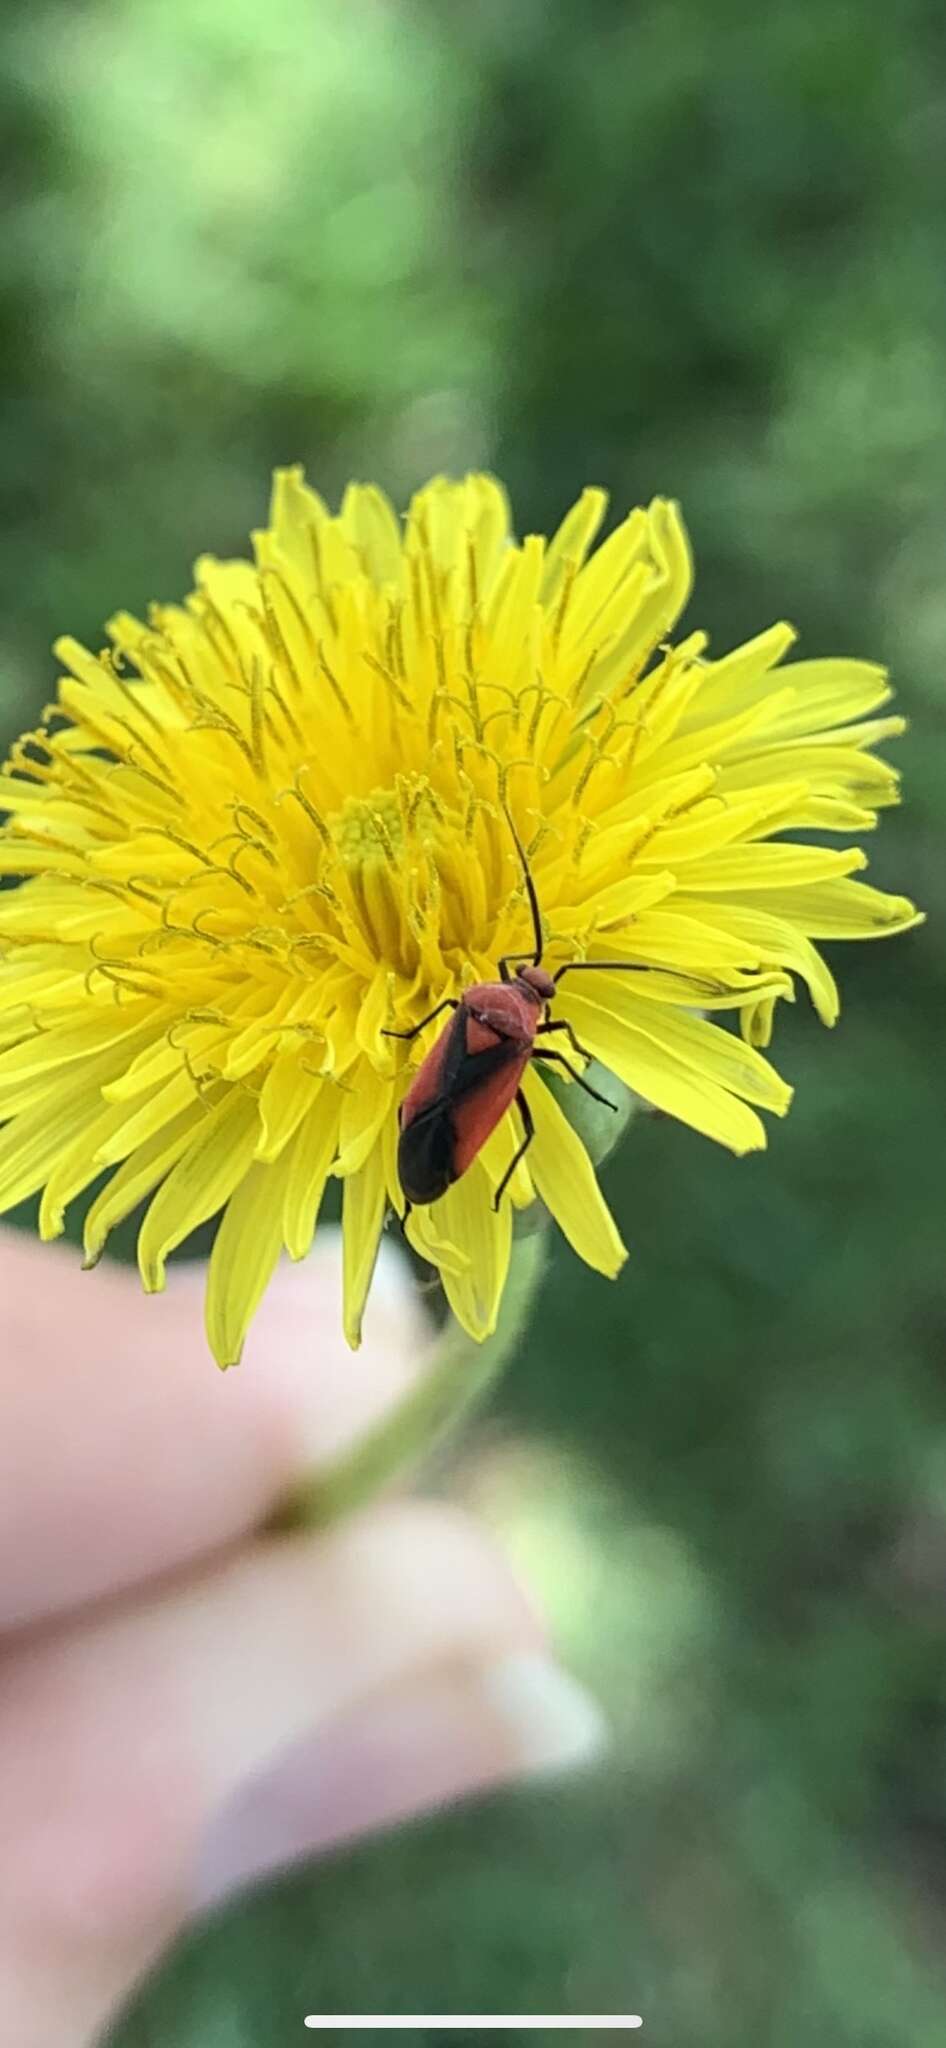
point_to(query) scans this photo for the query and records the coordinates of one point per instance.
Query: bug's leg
(602, 967)
(711, 988)
(529, 1129)
(562, 1024)
(449, 1003)
(540, 1052)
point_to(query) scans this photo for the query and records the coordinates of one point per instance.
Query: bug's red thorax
(504, 1008)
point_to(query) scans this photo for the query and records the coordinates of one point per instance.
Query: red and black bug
(473, 1073)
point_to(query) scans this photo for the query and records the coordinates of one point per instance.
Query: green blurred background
(683, 247)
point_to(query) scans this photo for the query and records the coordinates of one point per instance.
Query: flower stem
(461, 1374)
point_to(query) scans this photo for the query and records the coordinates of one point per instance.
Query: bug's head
(538, 985)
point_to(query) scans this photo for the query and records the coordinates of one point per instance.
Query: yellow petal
(288, 1092)
(658, 601)
(566, 1181)
(603, 582)
(673, 579)
(708, 1048)
(690, 933)
(512, 605)
(313, 1149)
(31, 1145)
(150, 1120)
(296, 513)
(619, 903)
(757, 868)
(757, 1020)
(497, 1156)
(436, 523)
(488, 525)
(141, 1172)
(159, 1062)
(737, 680)
(717, 824)
(425, 1231)
(842, 910)
(90, 1074)
(362, 1217)
(467, 1218)
(570, 543)
(720, 739)
(367, 1102)
(666, 1080)
(844, 770)
(75, 1166)
(203, 1179)
(49, 1050)
(828, 692)
(368, 519)
(778, 940)
(244, 1257)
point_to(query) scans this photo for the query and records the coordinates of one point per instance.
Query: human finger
(126, 1737)
(125, 1452)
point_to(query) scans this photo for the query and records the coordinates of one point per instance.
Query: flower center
(412, 881)
(369, 829)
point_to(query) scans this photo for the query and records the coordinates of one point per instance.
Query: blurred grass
(671, 248)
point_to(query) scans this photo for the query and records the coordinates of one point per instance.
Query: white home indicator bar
(562, 2021)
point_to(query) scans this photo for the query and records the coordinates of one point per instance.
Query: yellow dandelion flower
(272, 825)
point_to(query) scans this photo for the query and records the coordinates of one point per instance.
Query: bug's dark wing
(425, 1153)
(478, 1070)
(438, 1143)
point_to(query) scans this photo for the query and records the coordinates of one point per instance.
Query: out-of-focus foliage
(679, 247)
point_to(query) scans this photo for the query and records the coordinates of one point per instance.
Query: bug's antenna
(530, 891)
